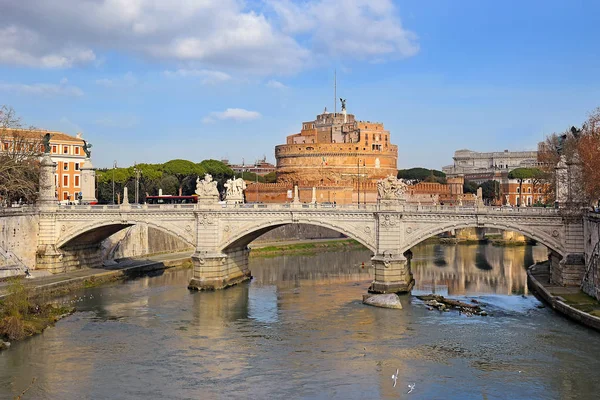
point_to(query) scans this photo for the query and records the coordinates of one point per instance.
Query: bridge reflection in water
(473, 268)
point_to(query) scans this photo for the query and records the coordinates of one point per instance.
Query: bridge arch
(541, 236)
(249, 232)
(97, 231)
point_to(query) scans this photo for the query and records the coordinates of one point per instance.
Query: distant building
(260, 167)
(495, 166)
(476, 166)
(65, 150)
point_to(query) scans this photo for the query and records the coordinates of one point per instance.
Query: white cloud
(24, 46)
(273, 84)
(206, 76)
(236, 114)
(259, 36)
(127, 80)
(42, 89)
(359, 29)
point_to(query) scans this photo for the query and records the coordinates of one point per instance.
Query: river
(298, 330)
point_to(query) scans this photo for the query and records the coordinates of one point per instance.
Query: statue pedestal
(88, 183)
(205, 200)
(47, 195)
(235, 199)
(394, 204)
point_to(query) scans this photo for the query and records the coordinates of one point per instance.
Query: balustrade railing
(589, 283)
(412, 208)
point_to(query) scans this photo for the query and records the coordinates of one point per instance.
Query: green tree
(419, 174)
(169, 185)
(490, 190)
(470, 187)
(522, 174)
(182, 169)
(271, 177)
(250, 176)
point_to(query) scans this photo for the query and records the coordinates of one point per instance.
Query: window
(65, 195)
(54, 149)
(65, 180)
(65, 166)
(528, 190)
(76, 180)
(76, 166)
(76, 149)
(5, 145)
(65, 149)
(519, 190)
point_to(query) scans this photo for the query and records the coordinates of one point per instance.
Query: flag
(324, 162)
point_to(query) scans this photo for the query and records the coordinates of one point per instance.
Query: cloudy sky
(153, 80)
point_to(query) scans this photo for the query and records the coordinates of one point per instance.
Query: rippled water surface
(298, 330)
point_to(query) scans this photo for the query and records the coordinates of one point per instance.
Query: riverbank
(302, 247)
(21, 316)
(569, 301)
(26, 308)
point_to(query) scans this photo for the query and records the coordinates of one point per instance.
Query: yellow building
(65, 150)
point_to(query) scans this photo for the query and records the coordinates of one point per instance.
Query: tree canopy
(19, 164)
(525, 173)
(419, 174)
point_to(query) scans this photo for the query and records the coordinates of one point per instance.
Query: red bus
(171, 199)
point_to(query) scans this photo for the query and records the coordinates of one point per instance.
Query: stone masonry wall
(298, 232)
(18, 238)
(591, 226)
(141, 240)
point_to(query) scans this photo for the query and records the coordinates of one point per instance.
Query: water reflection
(299, 330)
(473, 269)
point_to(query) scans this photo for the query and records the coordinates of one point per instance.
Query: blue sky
(150, 81)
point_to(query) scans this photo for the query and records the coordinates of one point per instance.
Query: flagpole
(334, 92)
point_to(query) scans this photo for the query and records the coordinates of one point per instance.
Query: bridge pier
(392, 274)
(214, 271)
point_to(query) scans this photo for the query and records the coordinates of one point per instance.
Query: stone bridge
(69, 236)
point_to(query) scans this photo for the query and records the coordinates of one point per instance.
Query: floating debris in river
(443, 304)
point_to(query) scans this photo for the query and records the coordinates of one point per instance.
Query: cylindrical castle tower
(335, 148)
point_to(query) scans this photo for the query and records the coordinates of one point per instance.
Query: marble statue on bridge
(391, 189)
(206, 189)
(235, 190)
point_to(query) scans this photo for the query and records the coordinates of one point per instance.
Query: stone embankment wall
(141, 240)
(298, 232)
(18, 238)
(591, 229)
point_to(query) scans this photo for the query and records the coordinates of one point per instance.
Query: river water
(298, 330)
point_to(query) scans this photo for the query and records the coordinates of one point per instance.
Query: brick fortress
(342, 158)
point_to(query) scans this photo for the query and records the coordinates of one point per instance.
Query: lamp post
(256, 184)
(358, 181)
(364, 189)
(113, 181)
(137, 182)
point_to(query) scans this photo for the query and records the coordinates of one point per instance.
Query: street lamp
(113, 181)
(137, 182)
(358, 181)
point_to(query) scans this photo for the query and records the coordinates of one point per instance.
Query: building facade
(65, 150)
(260, 167)
(476, 166)
(335, 148)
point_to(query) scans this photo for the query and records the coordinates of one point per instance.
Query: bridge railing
(413, 208)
